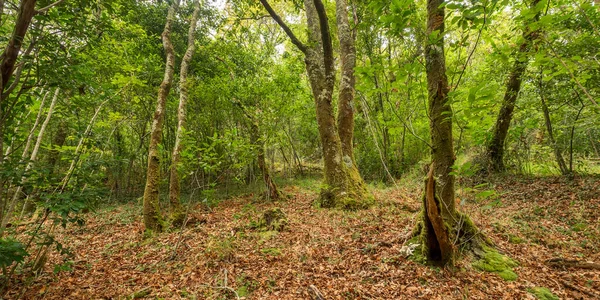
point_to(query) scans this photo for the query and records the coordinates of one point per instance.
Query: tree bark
(440, 212)
(177, 213)
(152, 216)
(345, 121)
(32, 158)
(495, 150)
(11, 53)
(344, 186)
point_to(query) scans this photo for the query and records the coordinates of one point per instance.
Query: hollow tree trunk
(495, 149)
(152, 216)
(439, 207)
(177, 213)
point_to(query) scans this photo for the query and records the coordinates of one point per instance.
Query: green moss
(513, 239)
(272, 220)
(418, 255)
(543, 293)
(271, 251)
(494, 262)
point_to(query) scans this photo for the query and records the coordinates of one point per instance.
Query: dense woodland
(315, 149)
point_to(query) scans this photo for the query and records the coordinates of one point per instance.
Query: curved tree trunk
(495, 150)
(152, 216)
(177, 213)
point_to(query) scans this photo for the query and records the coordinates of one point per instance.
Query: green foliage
(11, 251)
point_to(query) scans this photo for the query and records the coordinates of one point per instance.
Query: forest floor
(345, 255)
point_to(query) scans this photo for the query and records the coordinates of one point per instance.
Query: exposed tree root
(566, 263)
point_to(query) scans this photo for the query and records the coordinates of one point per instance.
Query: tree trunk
(177, 213)
(439, 206)
(272, 191)
(32, 158)
(152, 216)
(495, 149)
(344, 186)
(557, 152)
(345, 121)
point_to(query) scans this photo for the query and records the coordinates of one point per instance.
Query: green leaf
(11, 251)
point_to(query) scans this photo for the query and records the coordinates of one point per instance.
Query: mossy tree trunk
(152, 215)
(495, 149)
(344, 187)
(177, 213)
(439, 208)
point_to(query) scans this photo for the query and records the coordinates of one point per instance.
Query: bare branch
(283, 26)
(45, 9)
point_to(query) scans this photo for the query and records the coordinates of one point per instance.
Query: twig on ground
(314, 293)
(224, 286)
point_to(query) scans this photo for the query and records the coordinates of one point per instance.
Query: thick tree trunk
(152, 216)
(177, 213)
(344, 185)
(11, 53)
(495, 151)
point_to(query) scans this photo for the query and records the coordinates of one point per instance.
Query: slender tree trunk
(572, 136)
(272, 191)
(152, 216)
(345, 121)
(79, 148)
(8, 59)
(32, 159)
(174, 187)
(557, 152)
(495, 149)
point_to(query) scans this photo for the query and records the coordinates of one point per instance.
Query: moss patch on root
(494, 262)
(543, 293)
(272, 220)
